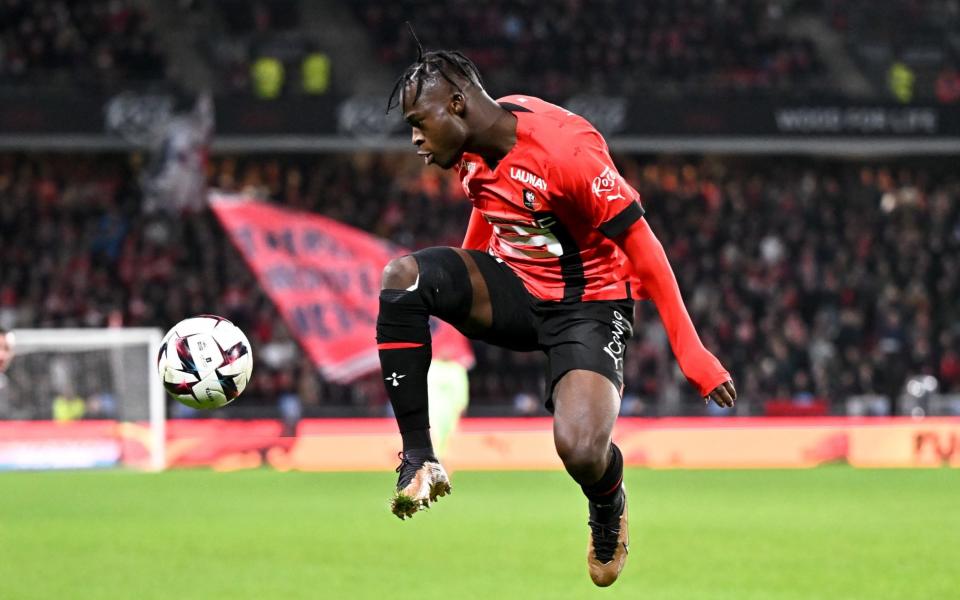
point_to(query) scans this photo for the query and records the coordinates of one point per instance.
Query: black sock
(606, 491)
(403, 339)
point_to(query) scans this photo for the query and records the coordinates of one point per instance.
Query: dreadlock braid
(431, 65)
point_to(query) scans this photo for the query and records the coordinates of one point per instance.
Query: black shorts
(573, 335)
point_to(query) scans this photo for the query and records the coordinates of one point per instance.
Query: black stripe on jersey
(571, 265)
(622, 221)
(514, 107)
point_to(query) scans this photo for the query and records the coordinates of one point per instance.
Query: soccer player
(449, 383)
(555, 253)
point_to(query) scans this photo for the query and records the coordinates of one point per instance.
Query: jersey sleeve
(593, 188)
(478, 232)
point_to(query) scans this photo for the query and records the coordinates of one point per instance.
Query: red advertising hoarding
(519, 443)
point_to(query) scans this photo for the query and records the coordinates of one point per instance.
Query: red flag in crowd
(324, 277)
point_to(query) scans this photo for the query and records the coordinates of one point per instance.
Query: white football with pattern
(205, 362)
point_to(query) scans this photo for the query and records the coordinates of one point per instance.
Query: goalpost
(105, 376)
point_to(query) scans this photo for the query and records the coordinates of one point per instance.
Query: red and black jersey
(555, 202)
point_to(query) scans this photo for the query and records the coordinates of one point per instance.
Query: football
(205, 362)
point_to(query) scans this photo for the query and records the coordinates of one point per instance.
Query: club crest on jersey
(528, 178)
(530, 200)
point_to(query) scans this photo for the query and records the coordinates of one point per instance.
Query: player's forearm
(478, 232)
(651, 266)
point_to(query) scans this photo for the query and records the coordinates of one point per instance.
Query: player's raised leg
(444, 282)
(586, 407)
(403, 340)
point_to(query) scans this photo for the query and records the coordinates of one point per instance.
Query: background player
(449, 382)
(555, 252)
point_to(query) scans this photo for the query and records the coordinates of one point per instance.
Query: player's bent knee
(400, 273)
(577, 439)
(444, 283)
(582, 453)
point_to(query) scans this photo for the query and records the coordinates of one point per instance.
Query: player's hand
(725, 395)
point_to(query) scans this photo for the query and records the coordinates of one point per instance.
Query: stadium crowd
(906, 46)
(687, 46)
(89, 43)
(672, 48)
(557, 49)
(812, 280)
(260, 48)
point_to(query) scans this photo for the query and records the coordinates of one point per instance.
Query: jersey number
(530, 241)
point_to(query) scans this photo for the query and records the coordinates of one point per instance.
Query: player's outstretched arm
(651, 266)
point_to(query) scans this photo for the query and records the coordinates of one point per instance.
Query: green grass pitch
(832, 533)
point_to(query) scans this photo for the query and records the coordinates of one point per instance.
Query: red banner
(324, 277)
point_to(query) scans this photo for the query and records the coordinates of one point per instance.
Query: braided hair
(430, 66)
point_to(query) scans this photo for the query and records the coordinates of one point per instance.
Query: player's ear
(458, 104)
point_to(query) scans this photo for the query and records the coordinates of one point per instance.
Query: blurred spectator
(525, 404)
(268, 76)
(101, 405)
(6, 349)
(175, 179)
(6, 356)
(290, 409)
(948, 86)
(68, 407)
(315, 73)
(900, 80)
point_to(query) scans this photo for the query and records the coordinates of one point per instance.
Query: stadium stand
(261, 48)
(840, 276)
(612, 47)
(921, 35)
(673, 48)
(96, 44)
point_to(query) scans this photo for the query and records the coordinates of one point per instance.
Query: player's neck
(495, 136)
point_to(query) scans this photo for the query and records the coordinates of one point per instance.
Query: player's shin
(403, 340)
(604, 494)
(609, 537)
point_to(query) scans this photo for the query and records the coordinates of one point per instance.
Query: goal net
(77, 398)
